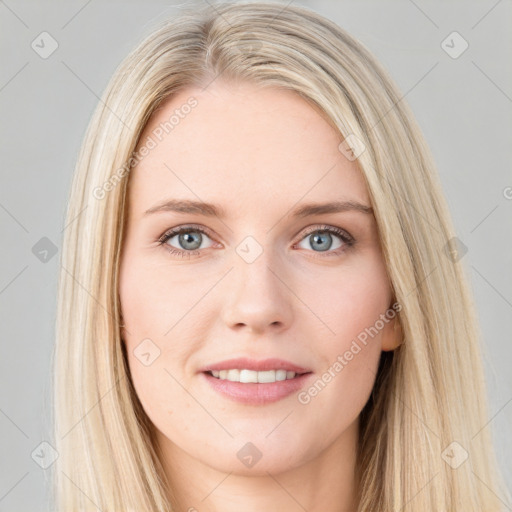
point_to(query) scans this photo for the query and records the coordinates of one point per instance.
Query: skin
(259, 153)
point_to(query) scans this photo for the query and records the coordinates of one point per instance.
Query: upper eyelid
(171, 233)
(185, 227)
(326, 227)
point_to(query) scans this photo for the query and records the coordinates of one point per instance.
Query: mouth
(252, 382)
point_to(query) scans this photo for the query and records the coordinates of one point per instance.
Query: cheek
(172, 411)
(158, 368)
(157, 336)
(351, 308)
(348, 302)
(155, 299)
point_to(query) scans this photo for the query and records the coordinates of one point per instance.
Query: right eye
(188, 238)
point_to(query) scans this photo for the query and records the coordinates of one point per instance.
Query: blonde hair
(428, 393)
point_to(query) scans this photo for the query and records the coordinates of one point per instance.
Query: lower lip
(257, 393)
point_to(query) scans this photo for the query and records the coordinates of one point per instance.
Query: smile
(246, 376)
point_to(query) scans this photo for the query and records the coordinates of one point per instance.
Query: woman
(261, 305)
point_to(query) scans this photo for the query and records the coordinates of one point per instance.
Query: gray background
(463, 106)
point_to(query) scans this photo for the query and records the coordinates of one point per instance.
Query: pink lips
(256, 393)
(259, 366)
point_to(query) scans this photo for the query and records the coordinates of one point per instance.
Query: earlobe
(392, 336)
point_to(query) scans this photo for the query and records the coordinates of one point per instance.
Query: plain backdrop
(462, 104)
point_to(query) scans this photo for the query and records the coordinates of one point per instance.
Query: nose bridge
(257, 296)
(259, 274)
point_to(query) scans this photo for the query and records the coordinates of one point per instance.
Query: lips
(257, 393)
(244, 363)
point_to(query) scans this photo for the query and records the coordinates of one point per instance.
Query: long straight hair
(428, 407)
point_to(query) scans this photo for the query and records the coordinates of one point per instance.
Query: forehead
(243, 146)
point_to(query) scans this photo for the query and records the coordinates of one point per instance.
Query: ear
(392, 334)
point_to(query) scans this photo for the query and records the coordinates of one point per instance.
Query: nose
(259, 297)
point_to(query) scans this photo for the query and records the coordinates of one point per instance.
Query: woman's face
(252, 280)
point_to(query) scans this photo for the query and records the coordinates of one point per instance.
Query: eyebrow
(213, 210)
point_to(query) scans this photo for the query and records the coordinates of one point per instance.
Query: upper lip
(244, 363)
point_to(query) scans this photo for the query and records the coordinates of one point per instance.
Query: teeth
(253, 376)
(243, 375)
(281, 374)
(267, 376)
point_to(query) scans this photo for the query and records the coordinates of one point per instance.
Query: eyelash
(347, 239)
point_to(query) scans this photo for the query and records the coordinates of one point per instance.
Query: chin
(256, 457)
(273, 464)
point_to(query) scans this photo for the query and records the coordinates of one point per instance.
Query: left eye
(321, 238)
